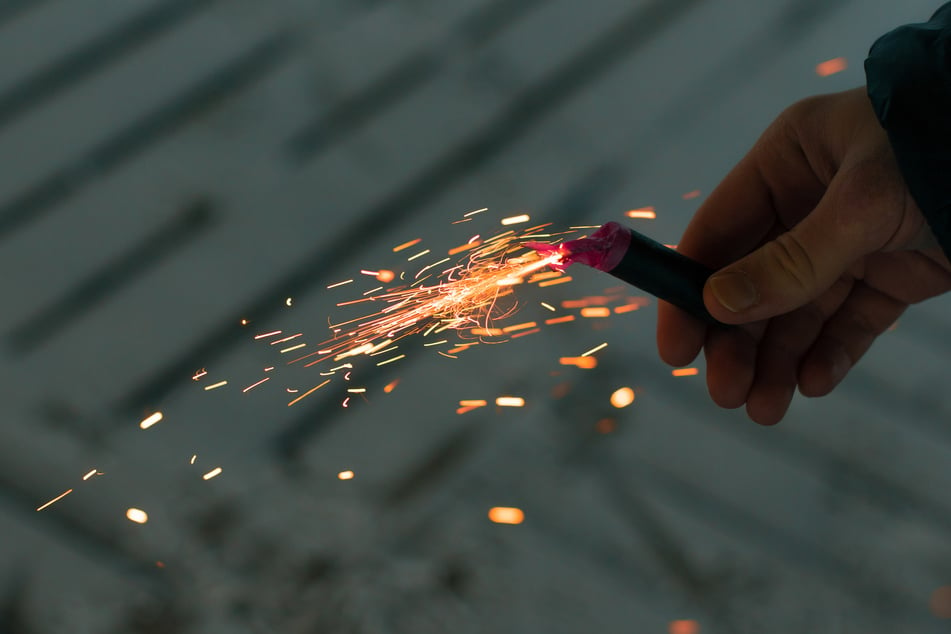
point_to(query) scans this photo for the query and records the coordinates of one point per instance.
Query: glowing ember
(510, 401)
(548, 306)
(506, 515)
(406, 245)
(212, 474)
(644, 212)
(831, 66)
(472, 213)
(514, 220)
(345, 475)
(473, 403)
(585, 363)
(151, 419)
(283, 339)
(517, 327)
(90, 474)
(622, 397)
(289, 301)
(683, 627)
(215, 386)
(626, 308)
(199, 374)
(55, 500)
(559, 320)
(386, 276)
(596, 311)
(137, 515)
(558, 280)
(194, 458)
(594, 349)
(685, 372)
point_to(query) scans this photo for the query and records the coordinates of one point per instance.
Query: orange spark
(517, 327)
(254, 385)
(477, 211)
(599, 311)
(831, 66)
(385, 275)
(391, 360)
(606, 425)
(506, 515)
(585, 363)
(89, 474)
(406, 245)
(335, 285)
(245, 322)
(215, 385)
(691, 195)
(465, 247)
(418, 255)
(544, 275)
(510, 401)
(683, 626)
(557, 280)
(267, 334)
(151, 419)
(297, 347)
(594, 349)
(55, 500)
(389, 387)
(309, 392)
(526, 332)
(283, 339)
(559, 320)
(487, 332)
(473, 403)
(685, 372)
(643, 212)
(345, 475)
(626, 308)
(212, 474)
(199, 374)
(137, 515)
(622, 397)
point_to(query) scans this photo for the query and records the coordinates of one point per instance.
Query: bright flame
(622, 397)
(506, 515)
(151, 419)
(137, 515)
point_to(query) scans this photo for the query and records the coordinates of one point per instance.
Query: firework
(638, 260)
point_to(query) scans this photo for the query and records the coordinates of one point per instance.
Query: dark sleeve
(909, 83)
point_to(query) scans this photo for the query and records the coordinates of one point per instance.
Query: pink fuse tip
(602, 250)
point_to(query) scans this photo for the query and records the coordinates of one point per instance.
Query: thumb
(800, 264)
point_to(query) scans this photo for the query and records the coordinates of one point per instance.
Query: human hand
(821, 248)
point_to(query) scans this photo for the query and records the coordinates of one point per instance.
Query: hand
(822, 248)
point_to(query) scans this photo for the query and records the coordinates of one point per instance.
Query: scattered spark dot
(446, 354)
(264, 335)
(940, 602)
(283, 339)
(487, 332)
(514, 220)
(289, 301)
(254, 385)
(506, 515)
(55, 500)
(510, 401)
(335, 285)
(199, 374)
(245, 322)
(626, 308)
(683, 627)
(215, 385)
(406, 245)
(89, 474)
(831, 66)
(389, 387)
(269, 368)
(151, 419)
(356, 390)
(418, 255)
(435, 343)
(557, 280)
(596, 311)
(386, 276)
(194, 458)
(559, 320)
(297, 347)
(212, 474)
(691, 195)
(465, 409)
(477, 211)
(685, 372)
(397, 358)
(137, 515)
(622, 397)
(585, 363)
(594, 349)
(517, 327)
(473, 403)
(309, 392)
(291, 391)
(644, 212)
(345, 475)
(606, 426)
(548, 306)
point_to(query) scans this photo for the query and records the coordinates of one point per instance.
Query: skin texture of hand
(819, 248)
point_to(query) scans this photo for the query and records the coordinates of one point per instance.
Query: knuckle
(793, 262)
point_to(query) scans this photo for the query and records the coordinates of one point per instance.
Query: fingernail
(734, 290)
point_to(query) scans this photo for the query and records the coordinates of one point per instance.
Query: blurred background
(178, 176)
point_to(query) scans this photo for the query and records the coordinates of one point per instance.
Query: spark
(373, 290)
(264, 335)
(644, 212)
(406, 245)
(510, 401)
(289, 301)
(269, 368)
(506, 515)
(418, 255)
(598, 311)
(340, 283)
(626, 308)
(594, 349)
(548, 306)
(685, 372)
(436, 343)
(386, 276)
(526, 332)
(391, 360)
(557, 280)
(477, 211)
(345, 475)
(429, 266)
(389, 387)
(309, 392)
(212, 474)
(606, 425)
(585, 363)
(622, 397)
(215, 385)
(194, 458)
(473, 403)
(297, 347)
(546, 275)
(370, 273)
(514, 220)
(199, 374)
(90, 474)
(831, 66)
(464, 247)
(356, 390)
(254, 385)
(559, 320)
(137, 515)
(691, 195)
(245, 322)
(151, 419)
(293, 391)
(517, 327)
(282, 340)
(683, 626)
(55, 500)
